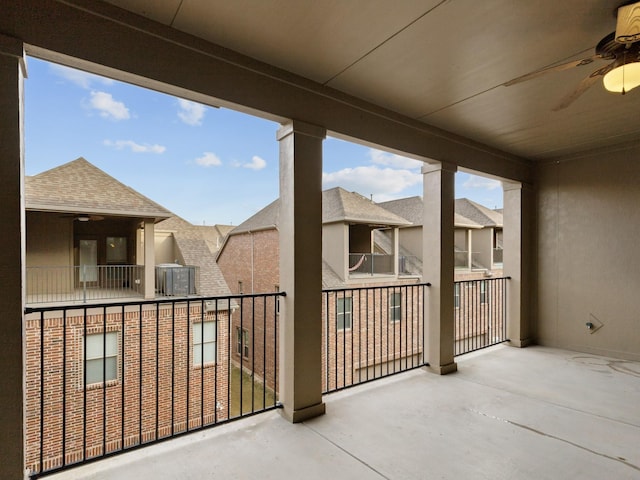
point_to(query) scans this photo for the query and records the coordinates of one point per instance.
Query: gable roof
(478, 213)
(80, 187)
(266, 218)
(412, 209)
(338, 205)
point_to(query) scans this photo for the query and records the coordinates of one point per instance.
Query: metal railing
(370, 333)
(461, 260)
(371, 264)
(82, 283)
(108, 378)
(480, 318)
(407, 265)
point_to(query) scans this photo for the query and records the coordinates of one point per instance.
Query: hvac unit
(173, 279)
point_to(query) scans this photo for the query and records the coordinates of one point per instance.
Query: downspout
(252, 247)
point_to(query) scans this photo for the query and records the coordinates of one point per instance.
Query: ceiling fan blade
(555, 68)
(583, 86)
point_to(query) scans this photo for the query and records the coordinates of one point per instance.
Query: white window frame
(199, 337)
(344, 316)
(483, 291)
(395, 307)
(112, 354)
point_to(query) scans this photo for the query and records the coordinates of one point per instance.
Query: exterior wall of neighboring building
(335, 248)
(376, 342)
(411, 240)
(483, 246)
(251, 258)
(165, 248)
(49, 245)
(49, 240)
(587, 238)
(156, 365)
(249, 262)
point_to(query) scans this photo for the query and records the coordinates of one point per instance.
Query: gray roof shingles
(80, 187)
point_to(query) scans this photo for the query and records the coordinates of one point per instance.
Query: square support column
(438, 265)
(518, 222)
(12, 260)
(300, 230)
(149, 259)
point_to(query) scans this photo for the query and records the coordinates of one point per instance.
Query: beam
(107, 40)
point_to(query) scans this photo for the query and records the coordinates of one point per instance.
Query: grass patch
(262, 398)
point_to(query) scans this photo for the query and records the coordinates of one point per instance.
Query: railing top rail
(156, 301)
(373, 287)
(487, 279)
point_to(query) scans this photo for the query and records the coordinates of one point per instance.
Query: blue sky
(208, 165)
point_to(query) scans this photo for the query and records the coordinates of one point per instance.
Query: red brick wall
(149, 398)
(255, 315)
(236, 258)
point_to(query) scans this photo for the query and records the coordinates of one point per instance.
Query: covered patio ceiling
(440, 62)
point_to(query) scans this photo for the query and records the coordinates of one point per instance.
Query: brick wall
(158, 388)
(257, 316)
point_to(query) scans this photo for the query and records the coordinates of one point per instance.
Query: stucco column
(149, 259)
(300, 230)
(12, 242)
(438, 265)
(518, 222)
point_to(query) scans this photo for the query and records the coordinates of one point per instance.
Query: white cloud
(475, 181)
(108, 107)
(135, 147)
(208, 160)
(256, 163)
(382, 183)
(190, 112)
(80, 78)
(379, 157)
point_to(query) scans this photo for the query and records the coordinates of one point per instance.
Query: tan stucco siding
(49, 240)
(588, 255)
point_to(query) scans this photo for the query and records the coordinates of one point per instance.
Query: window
(277, 289)
(101, 361)
(240, 287)
(483, 291)
(117, 250)
(344, 309)
(395, 311)
(204, 343)
(242, 347)
(456, 295)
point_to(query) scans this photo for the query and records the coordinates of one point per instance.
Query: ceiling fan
(89, 218)
(622, 47)
(82, 217)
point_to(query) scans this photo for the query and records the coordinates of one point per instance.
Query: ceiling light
(623, 78)
(82, 218)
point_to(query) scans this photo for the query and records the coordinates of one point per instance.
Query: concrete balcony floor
(534, 413)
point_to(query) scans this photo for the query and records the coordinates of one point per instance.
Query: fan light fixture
(623, 77)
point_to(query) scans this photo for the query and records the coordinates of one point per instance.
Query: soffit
(439, 62)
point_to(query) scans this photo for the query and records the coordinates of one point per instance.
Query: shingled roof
(80, 187)
(338, 205)
(478, 213)
(412, 209)
(196, 248)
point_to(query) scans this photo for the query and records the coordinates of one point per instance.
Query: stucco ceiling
(440, 62)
